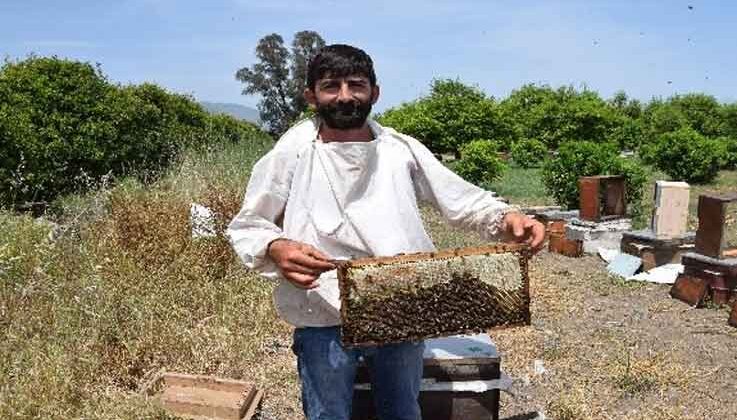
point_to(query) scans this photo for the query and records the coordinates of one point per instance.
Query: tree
(280, 77)
(554, 116)
(451, 116)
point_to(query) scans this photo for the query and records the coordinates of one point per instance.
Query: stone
(670, 215)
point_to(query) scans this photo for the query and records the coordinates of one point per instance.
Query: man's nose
(344, 93)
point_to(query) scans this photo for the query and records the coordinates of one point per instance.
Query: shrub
(528, 153)
(557, 115)
(687, 155)
(577, 159)
(480, 162)
(727, 152)
(62, 124)
(451, 116)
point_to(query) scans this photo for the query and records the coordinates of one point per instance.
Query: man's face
(343, 102)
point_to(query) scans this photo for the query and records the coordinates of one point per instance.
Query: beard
(344, 115)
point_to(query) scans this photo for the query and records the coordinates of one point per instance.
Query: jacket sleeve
(461, 203)
(260, 218)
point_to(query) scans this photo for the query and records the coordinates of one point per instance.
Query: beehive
(415, 296)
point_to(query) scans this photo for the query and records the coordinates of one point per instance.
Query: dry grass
(124, 292)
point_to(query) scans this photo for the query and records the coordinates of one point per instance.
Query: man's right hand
(300, 264)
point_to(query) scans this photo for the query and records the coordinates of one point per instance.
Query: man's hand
(300, 264)
(521, 228)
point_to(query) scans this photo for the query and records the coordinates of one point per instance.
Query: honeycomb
(416, 296)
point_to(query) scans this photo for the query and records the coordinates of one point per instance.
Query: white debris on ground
(202, 220)
(664, 274)
(622, 264)
(539, 367)
(607, 254)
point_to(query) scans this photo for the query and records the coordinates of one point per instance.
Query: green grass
(522, 186)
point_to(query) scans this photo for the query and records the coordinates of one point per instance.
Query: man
(342, 186)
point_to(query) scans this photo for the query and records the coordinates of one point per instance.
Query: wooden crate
(205, 397)
(461, 381)
(416, 296)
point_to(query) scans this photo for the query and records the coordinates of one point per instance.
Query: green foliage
(415, 119)
(577, 159)
(727, 152)
(554, 116)
(451, 116)
(700, 112)
(632, 108)
(528, 153)
(62, 124)
(687, 155)
(728, 114)
(52, 118)
(480, 162)
(280, 77)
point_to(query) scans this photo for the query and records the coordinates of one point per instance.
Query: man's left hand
(524, 229)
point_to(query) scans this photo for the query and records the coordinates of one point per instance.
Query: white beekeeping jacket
(349, 200)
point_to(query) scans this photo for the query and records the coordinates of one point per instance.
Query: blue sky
(646, 48)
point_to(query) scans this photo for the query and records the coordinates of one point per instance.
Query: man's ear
(375, 91)
(309, 96)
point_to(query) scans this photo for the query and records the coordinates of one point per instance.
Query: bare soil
(598, 347)
(612, 349)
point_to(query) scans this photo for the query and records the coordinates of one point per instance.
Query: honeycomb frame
(388, 300)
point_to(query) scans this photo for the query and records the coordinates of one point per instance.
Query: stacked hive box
(667, 238)
(461, 381)
(416, 296)
(711, 271)
(603, 206)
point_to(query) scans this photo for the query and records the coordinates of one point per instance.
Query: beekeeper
(342, 186)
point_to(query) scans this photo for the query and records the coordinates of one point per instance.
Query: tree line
(64, 125)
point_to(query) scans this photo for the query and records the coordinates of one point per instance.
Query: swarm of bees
(417, 296)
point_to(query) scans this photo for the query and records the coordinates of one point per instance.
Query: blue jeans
(327, 371)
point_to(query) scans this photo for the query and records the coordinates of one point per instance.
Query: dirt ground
(603, 348)
(618, 350)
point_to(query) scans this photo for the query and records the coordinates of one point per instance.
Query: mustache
(343, 115)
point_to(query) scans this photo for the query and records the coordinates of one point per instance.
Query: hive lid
(460, 347)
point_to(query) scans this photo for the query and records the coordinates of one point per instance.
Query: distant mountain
(241, 112)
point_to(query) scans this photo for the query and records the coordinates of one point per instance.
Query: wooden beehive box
(205, 397)
(415, 296)
(461, 380)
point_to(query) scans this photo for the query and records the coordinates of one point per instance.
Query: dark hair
(340, 60)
